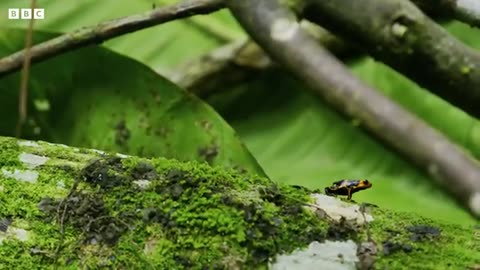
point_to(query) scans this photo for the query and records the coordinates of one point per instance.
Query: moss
(19, 202)
(9, 153)
(189, 216)
(422, 243)
(63, 153)
(59, 176)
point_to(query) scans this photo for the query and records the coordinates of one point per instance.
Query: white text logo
(26, 13)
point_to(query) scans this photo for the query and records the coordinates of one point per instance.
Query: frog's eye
(366, 181)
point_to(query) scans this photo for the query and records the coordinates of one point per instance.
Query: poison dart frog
(347, 187)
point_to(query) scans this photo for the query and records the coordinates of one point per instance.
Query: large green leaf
(160, 47)
(97, 98)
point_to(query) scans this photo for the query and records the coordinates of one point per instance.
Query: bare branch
(107, 30)
(277, 31)
(241, 61)
(397, 33)
(209, 74)
(467, 11)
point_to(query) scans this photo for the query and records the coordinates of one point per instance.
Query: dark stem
(23, 97)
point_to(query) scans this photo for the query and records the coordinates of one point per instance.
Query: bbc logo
(26, 13)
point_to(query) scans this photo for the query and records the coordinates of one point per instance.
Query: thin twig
(108, 30)
(23, 94)
(276, 29)
(61, 218)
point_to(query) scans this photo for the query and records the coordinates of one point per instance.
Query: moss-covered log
(84, 209)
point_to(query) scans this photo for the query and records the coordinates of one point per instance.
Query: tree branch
(276, 29)
(467, 11)
(107, 30)
(118, 27)
(397, 33)
(243, 60)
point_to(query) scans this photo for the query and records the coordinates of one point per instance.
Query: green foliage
(117, 104)
(423, 238)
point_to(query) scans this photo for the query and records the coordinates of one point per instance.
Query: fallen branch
(107, 30)
(397, 33)
(276, 30)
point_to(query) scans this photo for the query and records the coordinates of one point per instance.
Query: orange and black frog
(347, 187)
